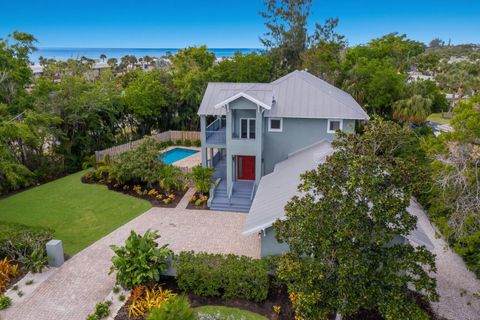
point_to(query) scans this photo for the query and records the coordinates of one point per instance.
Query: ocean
(94, 53)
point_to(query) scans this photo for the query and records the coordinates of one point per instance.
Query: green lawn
(79, 213)
(437, 117)
(225, 312)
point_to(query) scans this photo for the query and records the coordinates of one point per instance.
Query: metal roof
(299, 94)
(277, 188)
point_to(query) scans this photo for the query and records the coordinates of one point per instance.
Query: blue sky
(225, 23)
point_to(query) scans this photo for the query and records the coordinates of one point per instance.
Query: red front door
(246, 168)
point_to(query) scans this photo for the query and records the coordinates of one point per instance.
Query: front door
(246, 168)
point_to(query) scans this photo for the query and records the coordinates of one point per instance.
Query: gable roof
(299, 94)
(277, 188)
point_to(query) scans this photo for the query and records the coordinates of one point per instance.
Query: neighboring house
(261, 136)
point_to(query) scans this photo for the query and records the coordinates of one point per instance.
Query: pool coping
(187, 162)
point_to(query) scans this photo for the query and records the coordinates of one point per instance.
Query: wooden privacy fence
(170, 135)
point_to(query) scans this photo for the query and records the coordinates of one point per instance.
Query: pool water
(176, 154)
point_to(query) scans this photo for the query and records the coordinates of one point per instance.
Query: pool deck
(190, 161)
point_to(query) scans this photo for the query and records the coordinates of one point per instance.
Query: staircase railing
(212, 192)
(252, 193)
(230, 193)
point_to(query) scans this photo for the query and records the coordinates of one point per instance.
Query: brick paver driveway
(72, 292)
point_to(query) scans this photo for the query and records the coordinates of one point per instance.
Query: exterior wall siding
(270, 246)
(252, 147)
(297, 133)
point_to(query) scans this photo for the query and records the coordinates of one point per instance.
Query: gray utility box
(55, 253)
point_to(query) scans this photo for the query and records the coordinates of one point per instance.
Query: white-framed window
(334, 125)
(275, 124)
(247, 128)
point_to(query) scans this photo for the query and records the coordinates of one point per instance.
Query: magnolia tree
(343, 231)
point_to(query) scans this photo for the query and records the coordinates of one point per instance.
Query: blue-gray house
(260, 137)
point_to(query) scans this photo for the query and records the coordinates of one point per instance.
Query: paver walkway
(72, 292)
(456, 285)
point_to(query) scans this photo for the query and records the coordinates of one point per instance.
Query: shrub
(8, 271)
(178, 142)
(187, 143)
(36, 261)
(140, 261)
(227, 276)
(143, 300)
(170, 178)
(17, 240)
(177, 308)
(202, 178)
(140, 164)
(5, 302)
(197, 143)
(102, 310)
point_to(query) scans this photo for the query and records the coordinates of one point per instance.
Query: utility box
(55, 253)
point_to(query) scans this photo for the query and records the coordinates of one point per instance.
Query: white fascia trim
(328, 125)
(244, 95)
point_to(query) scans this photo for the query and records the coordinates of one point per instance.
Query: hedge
(227, 276)
(18, 240)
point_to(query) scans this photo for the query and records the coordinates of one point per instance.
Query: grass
(79, 213)
(225, 312)
(437, 117)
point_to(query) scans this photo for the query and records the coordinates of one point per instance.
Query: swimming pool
(176, 154)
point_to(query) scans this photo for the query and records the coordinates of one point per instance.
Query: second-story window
(247, 128)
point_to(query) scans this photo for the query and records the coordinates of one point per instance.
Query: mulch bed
(22, 273)
(277, 296)
(112, 185)
(203, 206)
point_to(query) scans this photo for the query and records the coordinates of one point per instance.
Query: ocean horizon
(59, 53)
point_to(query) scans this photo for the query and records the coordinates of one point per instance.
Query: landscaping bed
(198, 201)
(154, 194)
(277, 296)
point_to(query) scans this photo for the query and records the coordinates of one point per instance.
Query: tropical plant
(177, 308)
(170, 178)
(412, 110)
(102, 310)
(35, 261)
(143, 300)
(140, 260)
(8, 271)
(202, 178)
(5, 302)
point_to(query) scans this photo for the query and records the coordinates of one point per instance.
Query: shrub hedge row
(227, 276)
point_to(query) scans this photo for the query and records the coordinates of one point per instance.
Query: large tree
(343, 231)
(287, 37)
(324, 55)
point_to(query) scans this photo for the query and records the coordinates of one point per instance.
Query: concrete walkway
(456, 285)
(72, 292)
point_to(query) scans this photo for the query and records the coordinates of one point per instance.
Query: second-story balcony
(216, 132)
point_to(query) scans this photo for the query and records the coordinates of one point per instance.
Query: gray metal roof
(296, 95)
(277, 188)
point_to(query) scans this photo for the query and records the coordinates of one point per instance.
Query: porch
(240, 197)
(216, 132)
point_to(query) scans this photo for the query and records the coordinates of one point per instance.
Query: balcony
(216, 133)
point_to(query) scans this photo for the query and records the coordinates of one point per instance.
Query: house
(260, 137)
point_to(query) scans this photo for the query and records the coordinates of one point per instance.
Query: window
(247, 128)
(334, 125)
(275, 124)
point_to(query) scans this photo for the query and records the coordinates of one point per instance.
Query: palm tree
(415, 109)
(103, 57)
